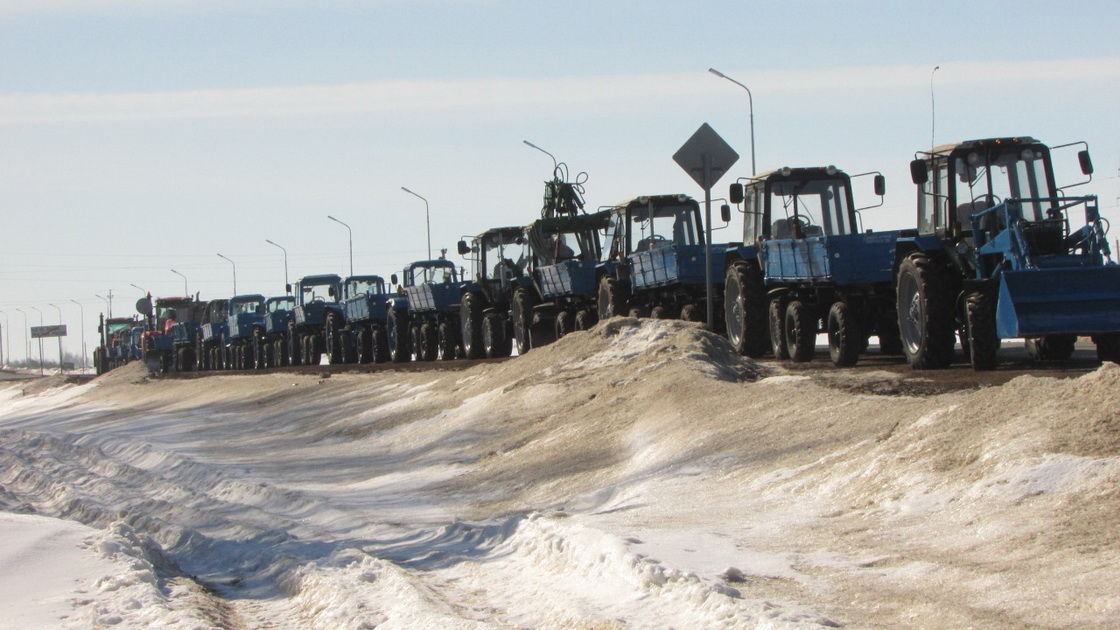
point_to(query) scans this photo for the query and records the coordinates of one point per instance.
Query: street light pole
(286, 285)
(142, 289)
(234, 272)
(6, 344)
(750, 103)
(82, 315)
(427, 219)
(349, 239)
(36, 309)
(932, 108)
(59, 309)
(26, 339)
(186, 291)
(108, 302)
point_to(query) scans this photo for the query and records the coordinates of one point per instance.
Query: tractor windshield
(320, 292)
(664, 225)
(432, 274)
(502, 256)
(815, 207)
(359, 286)
(984, 179)
(282, 304)
(178, 310)
(116, 327)
(248, 306)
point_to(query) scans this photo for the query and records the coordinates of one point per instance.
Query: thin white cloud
(529, 97)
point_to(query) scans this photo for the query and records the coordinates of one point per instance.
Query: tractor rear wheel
(744, 309)
(521, 312)
(470, 324)
(777, 318)
(801, 331)
(380, 343)
(925, 312)
(845, 339)
(611, 300)
(494, 338)
(448, 343)
(1051, 347)
(1108, 347)
(397, 336)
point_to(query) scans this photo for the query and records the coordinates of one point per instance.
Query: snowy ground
(636, 476)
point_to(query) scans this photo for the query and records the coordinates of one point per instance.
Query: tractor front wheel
(585, 319)
(611, 301)
(777, 318)
(470, 321)
(448, 343)
(744, 309)
(397, 336)
(801, 331)
(845, 339)
(980, 324)
(494, 338)
(521, 312)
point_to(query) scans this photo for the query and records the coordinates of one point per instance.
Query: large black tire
(564, 324)
(470, 324)
(181, 359)
(801, 331)
(1108, 347)
(314, 349)
(295, 345)
(611, 299)
(448, 342)
(494, 338)
(980, 322)
(1051, 347)
(521, 315)
(744, 309)
(925, 312)
(429, 342)
(363, 345)
(692, 313)
(260, 349)
(333, 340)
(777, 324)
(397, 336)
(380, 344)
(585, 319)
(845, 336)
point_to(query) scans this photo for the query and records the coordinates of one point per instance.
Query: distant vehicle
(422, 320)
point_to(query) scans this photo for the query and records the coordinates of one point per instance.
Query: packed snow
(639, 475)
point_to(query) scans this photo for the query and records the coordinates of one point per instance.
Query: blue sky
(142, 135)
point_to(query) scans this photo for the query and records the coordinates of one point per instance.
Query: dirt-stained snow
(640, 475)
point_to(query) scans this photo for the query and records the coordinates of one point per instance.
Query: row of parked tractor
(999, 251)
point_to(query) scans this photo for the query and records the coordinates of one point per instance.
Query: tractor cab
(322, 288)
(652, 222)
(174, 310)
(429, 272)
(245, 312)
(796, 203)
(363, 285)
(498, 260)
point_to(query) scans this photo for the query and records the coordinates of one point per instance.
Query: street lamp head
(717, 73)
(555, 163)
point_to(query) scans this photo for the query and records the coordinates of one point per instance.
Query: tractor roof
(367, 278)
(326, 278)
(986, 143)
(508, 234)
(797, 172)
(164, 301)
(281, 298)
(573, 223)
(247, 297)
(656, 200)
(431, 264)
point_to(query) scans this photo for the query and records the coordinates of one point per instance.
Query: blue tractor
(244, 322)
(269, 346)
(499, 268)
(423, 319)
(655, 263)
(364, 304)
(804, 261)
(184, 334)
(317, 309)
(210, 337)
(157, 344)
(1001, 252)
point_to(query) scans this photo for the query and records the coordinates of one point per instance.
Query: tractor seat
(781, 229)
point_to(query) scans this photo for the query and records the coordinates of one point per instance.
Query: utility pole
(59, 309)
(41, 372)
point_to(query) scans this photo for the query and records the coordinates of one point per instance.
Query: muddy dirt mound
(133, 373)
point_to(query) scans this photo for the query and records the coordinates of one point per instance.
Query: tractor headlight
(786, 171)
(830, 169)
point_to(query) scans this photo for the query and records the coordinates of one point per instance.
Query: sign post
(706, 157)
(40, 332)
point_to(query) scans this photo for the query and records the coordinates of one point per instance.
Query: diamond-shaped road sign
(705, 146)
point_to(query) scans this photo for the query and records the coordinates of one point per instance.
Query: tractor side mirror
(144, 306)
(736, 193)
(880, 185)
(464, 249)
(100, 329)
(393, 279)
(918, 172)
(1085, 161)
(288, 287)
(725, 213)
(330, 291)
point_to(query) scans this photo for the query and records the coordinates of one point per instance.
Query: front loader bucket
(1070, 300)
